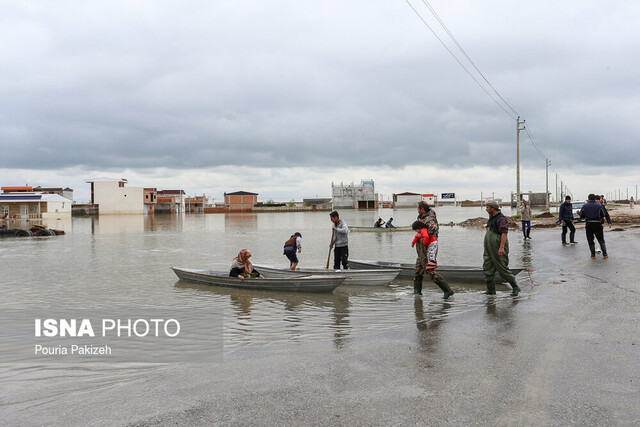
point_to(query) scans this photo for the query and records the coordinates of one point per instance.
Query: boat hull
(457, 274)
(358, 229)
(364, 277)
(308, 283)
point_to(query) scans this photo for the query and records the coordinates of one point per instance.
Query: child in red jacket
(430, 244)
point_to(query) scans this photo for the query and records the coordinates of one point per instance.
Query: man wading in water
(496, 250)
(428, 216)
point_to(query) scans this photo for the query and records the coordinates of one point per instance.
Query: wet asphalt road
(564, 352)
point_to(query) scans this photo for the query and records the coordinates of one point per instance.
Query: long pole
(546, 193)
(329, 256)
(518, 123)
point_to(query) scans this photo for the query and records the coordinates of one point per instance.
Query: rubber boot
(491, 288)
(446, 289)
(524, 232)
(528, 233)
(592, 248)
(603, 246)
(417, 286)
(516, 290)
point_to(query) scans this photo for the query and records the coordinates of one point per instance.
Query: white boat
(364, 277)
(296, 283)
(452, 273)
(357, 229)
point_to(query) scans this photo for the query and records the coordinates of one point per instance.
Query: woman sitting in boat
(242, 268)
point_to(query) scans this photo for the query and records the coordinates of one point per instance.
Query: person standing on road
(496, 250)
(340, 240)
(290, 247)
(525, 217)
(593, 213)
(427, 216)
(565, 215)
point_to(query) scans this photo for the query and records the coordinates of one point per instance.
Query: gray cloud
(276, 84)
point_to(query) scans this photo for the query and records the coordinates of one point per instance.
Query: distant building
(534, 199)
(318, 203)
(430, 199)
(240, 201)
(352, 196)
(64, 192)
(170, 201)
(150, 200)
(406, 200)
(31, 205)
(112, 197)
(196, 204)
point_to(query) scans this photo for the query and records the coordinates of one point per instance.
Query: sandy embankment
(622, 217)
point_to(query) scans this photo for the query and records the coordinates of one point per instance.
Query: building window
(36, 209)
(24, 209)
(5, 210)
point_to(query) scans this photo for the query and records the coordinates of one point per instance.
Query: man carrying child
(427, 248)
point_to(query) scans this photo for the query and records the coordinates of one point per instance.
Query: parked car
(576, 206)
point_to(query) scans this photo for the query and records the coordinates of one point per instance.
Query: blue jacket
(565, 213)
(593, 211)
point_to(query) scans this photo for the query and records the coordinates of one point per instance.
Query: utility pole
(557, 189)
(518, 129)
(546, 192)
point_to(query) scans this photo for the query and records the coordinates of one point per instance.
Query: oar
(329, 256)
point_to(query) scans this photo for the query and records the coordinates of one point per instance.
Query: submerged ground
(565, 351)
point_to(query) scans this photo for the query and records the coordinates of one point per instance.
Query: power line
(458, 60)
(444, 26)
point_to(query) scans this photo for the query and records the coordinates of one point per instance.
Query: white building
(112, 197)
(352, 196)
(406, 200)
(29, 205)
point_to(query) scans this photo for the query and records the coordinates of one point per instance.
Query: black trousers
(568, 224)
(341, 255)
(595, 229)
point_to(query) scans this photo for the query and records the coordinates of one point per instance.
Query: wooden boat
(358, 229)
(298, 283)
(365, 277)
(450, 273)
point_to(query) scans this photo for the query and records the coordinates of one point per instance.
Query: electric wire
(458, 60)
(446, 29)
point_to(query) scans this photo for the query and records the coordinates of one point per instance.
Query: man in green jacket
(496, 250)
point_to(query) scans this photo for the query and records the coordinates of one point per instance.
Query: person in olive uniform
(496, 250)
(428, 217)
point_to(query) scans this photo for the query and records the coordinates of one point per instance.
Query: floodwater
(121, 264)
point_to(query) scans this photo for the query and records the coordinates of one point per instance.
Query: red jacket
(424, 235)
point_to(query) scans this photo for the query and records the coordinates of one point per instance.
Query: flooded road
(564, 351)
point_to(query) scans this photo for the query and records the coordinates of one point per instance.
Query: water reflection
(241, 220)
(341, 321)
(117, 224)
(429, 325)
(501, 312)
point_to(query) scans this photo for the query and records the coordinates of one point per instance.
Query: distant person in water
(525, 217)
(290, 247)
(242, 268)
(389, 223)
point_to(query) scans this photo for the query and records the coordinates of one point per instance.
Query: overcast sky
(284, 97)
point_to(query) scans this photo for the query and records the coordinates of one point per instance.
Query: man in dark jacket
(565, 215)
(593, 213)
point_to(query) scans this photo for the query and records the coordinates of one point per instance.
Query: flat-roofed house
(170, 201)
(112, 197)
(31, 205)
(240, 201)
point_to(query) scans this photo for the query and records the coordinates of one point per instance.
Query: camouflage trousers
(426, 254)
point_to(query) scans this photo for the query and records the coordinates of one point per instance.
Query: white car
(575, 207)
